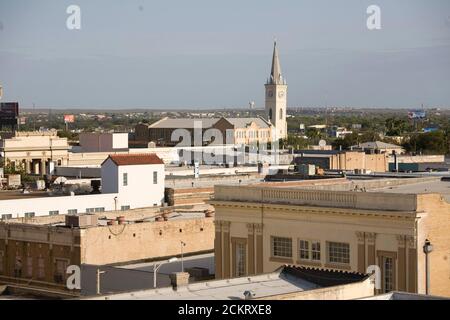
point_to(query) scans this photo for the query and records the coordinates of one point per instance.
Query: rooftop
(184, 123)
(135, 159)
(288, 279)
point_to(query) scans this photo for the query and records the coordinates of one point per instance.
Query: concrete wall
(103, 142)
(365, 288)
(139, 241)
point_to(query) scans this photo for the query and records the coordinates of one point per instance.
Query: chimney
(179, 279)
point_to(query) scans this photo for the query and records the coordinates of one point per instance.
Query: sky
(214, 54)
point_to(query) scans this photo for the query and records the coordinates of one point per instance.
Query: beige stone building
(36, 252)
(34, 151)
(240, 131)
(259, 228)
(344, 160)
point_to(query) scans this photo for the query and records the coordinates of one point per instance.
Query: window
(90, 210)
(315, 250)
(18, 267)
(282, 247)
(100, 209)
(29, 214)
(1, 262)
(6, 216)
(53, 213)
(41, 268)
(60, 273)
(125, 179)
(30, 267)
(240, 260)
(304, 249)
(72, 211)
(309, 250)
(281, 114)
(388, 270)
(124, 208)
(155, 177)
(338, 252)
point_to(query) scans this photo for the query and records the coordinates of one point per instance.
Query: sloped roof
(135, 159)
(184, 123)
(244, 122)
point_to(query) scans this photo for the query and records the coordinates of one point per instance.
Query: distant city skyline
(204, 54)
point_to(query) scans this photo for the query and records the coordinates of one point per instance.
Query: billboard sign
(69, 118)
(416, 114)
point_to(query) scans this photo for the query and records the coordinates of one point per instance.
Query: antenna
(34, 117)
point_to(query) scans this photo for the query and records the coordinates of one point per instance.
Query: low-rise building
(236, 131)
(260, 228)
(128, 181)
(38, 252)
(379, 147)
(343, 160)
(103, 141)
(286, 283)
(36, 152)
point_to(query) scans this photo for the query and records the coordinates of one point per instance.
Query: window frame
(328, 256)
(272, 247)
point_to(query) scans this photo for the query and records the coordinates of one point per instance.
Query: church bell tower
(276, 95)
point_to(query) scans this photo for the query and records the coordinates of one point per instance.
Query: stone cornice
(406, 215)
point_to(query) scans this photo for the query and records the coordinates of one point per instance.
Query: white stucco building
(129, 181)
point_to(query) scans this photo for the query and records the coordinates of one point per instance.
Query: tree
(428, 143)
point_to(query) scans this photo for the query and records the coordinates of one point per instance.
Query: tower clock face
(281, 94)
(270, 93)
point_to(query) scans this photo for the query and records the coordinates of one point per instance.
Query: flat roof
(288, 279)
(436, 186)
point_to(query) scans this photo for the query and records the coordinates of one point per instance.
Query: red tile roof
(135, 159)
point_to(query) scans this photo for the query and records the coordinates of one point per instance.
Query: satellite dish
(60, 180)
(322, 143)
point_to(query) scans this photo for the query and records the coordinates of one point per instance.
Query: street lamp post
(156, 268)
(182, 244)
(427, 248)
(98, 280)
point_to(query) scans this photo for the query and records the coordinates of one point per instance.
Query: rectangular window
(124, 208)
(281, 247)
(388, 270)
(30, 267)
(29, 214)
(53, 213)
(155, 177)
(309, 250)
(315, 250)
(6, 216)
(100, 209)
(1, 262)
(304, 249)
(60, 272)
(240, 259)
(90, 210)
(125, 179)
(72, 211)
(41, 268)
(338, 252)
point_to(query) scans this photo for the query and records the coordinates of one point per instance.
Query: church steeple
(276, 92)
(275, 74)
